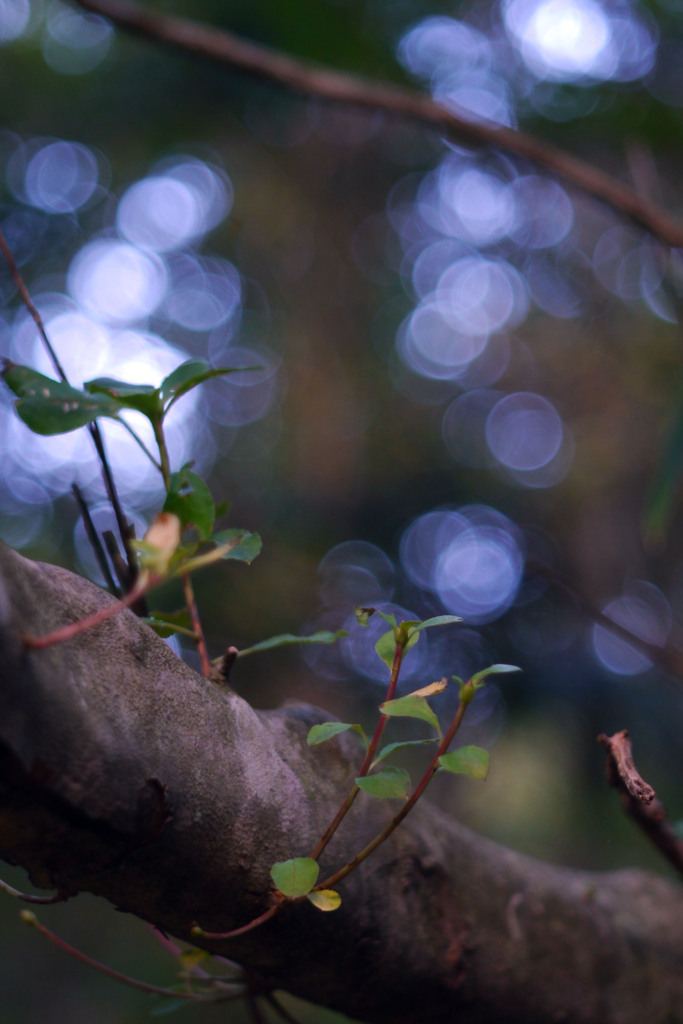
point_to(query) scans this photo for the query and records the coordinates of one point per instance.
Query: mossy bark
(124, 773)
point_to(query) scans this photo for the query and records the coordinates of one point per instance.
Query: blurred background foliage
(466, 365)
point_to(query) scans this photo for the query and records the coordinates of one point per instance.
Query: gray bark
(124, 773)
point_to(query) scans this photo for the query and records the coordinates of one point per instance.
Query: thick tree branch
(126, 774)
(325, 83)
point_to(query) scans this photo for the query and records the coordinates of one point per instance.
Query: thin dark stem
(668, 658)
(197, 997)
(369, 757)
(407, 807)
(28, 302)
(325, 83)
(93, 428)
(95, 541)
(280, 1009)
(254, 1009)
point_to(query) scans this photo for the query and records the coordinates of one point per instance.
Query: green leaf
(323, 636)
(497, 670)
(388, 618)
(192, 957)
(325, 899)
(295, 877)
(363, 615)
(411, 706)
(165, 624)
(326, 730)
(389, 783)
(48, 406)
(192, 373)
(386, 648)
(247, 549)
(437, 620)
(391, 747)
(472, 761)
(142, 397)
(190, 499)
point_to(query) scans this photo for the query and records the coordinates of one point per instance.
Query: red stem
(196, 997)
(369, 757)
(58, 636)
(200, 933)
(191, 603)
(407, 807)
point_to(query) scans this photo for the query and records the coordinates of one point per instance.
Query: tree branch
(325, 83)
(126, 774)
(639, 798)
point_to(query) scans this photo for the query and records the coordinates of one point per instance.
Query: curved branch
(325, 83)
(126, 774)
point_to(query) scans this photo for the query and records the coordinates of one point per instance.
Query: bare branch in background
(325, 83)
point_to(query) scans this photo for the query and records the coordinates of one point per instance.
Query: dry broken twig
(639, 798)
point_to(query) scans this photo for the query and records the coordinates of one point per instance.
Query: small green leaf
(388, 618)
(386, 648)
(295, 877)
(437, 620)
(411, 706)
(325, 899)
(165, 624)
(191, 373)
(326, 730)
(142, 397)
(472, 761)
(191, 957)
(323, 636)
(391, 747)
(363, 615)
(247, 549)
(497, 670)
(48, 406)
(389, 783)
(190, 499)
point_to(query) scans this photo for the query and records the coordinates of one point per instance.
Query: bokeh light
(117, 282)
(14, 19)
(566, 40)
(643, 610)
(472, 559)
(74, 42)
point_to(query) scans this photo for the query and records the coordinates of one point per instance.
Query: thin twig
(325, 83)
(95, 542)
(196, 997)
(639, 798)
(190, 601)
(93, 427)
(279, 1008)
(669, 658)
(199, 932)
